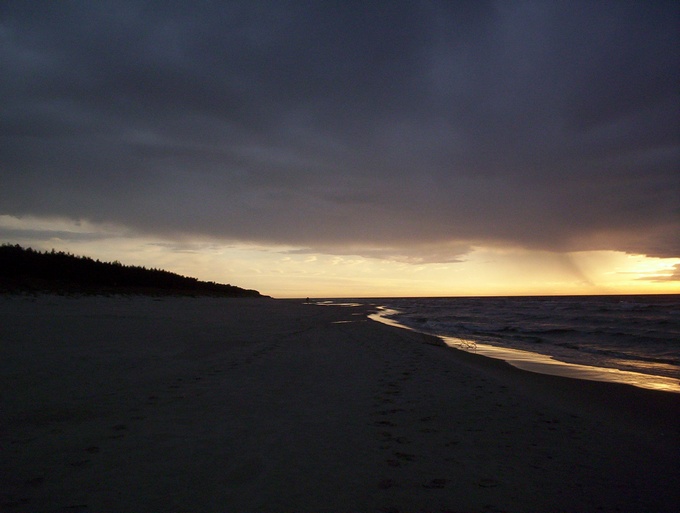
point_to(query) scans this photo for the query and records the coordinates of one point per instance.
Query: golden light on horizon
(286, 272)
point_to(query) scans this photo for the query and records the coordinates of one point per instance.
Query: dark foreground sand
(219, 405)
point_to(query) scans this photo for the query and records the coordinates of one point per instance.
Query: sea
(630, 339)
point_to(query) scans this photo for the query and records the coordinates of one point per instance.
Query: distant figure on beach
(307, 300)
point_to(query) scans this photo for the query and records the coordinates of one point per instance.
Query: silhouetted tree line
(28, 270)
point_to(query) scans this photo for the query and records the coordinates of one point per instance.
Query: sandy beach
(122, 404)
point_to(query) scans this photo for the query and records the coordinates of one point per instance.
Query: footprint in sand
(118, 428)
(404, 456)
(386, 435)
(488, 482)
(386, 484)
(384, 423)
(436, 483)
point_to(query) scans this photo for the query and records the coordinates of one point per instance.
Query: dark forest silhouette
(28, 270)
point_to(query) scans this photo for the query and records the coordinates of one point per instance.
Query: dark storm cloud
(413, 130)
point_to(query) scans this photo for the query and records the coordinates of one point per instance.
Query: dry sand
(222, 405)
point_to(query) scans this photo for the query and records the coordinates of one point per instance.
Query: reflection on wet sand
(543, 364)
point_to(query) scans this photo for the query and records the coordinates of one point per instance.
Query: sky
(349, 149)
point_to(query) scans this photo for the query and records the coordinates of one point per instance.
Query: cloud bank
(414, 130)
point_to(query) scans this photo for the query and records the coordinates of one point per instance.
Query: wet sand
(214, 405)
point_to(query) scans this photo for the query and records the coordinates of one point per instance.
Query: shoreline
(547, 364)
(173, 404)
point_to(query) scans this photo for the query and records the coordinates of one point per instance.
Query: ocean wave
(642, 331)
